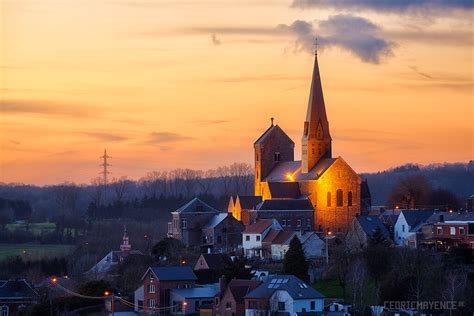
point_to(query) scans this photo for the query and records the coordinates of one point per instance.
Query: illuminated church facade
(331, 185)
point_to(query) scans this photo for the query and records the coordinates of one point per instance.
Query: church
(329, 183)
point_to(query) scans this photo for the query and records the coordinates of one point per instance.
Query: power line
(105, 171)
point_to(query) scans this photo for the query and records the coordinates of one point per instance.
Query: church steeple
(316, 141)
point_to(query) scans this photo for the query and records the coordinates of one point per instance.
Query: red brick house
(230, 300)
(158, 281)
(453, 229)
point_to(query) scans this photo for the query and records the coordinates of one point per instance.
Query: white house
(285, 294)
(407, 226)
(254, 234)
(313, 246)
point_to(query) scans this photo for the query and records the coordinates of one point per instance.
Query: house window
(247, 238)
(283, 223)
(349, 198)
(281, 306)
(312, 305)
(328, 202)
(151, 288)
(5, 310)
(439, 230)
(339, 197)
(151, 276)
(461, 230)
(228, 305)
(151, 303)
(288, 223)
(452, 230)
(253, 305)
(184, 223)
(298, 223)
(403, 228)
(257, 238)
(187, 286)
(276, 157)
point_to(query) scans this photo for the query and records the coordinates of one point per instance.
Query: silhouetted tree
(411, 191)
(295, 262)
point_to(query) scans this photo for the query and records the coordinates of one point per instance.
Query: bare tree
(96, 190)
(455, 287)
(121, 188)
(66, 196)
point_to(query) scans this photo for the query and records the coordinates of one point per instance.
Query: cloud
(106, 137)
(388, 6)
(166, 137)
(20, 107)
(215, 40)
(210, 122)
(355, 34)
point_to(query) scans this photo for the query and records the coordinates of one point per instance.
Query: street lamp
(184, 307)
(328, 236)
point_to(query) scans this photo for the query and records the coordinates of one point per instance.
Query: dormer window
(277, 157)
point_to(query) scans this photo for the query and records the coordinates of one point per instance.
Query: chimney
(222, 284)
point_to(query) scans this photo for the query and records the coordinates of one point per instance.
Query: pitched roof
(295, 287)
(271, 235)
(451, 217)
(258, 227)
(196, 292)
(248, 202)
(216, 261)
(216, 220)
(174, 273)
(196, 206)
(240, 288)
(282, 169)
(284, 237)
(17, 289)
(415, 217)
(284, 190)
(285, 205)
(370, 224)
(272, 129)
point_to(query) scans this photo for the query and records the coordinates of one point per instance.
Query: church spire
(316, 141)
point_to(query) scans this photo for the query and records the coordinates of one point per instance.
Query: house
(313, 245)
(192, 300)
(292, 214)
(389, 218)
(222, 234)
(363, 229)
(409, 225)
(159, 281)
(230, 300)
(284, 294)
(253, 236)
(212, 261)
(199, 224)
(114, 257)
(240, 206)
(16, 295)
(453, 229)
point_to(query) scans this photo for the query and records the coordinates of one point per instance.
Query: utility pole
(105, 172)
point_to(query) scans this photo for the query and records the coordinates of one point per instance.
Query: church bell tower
(316, 141)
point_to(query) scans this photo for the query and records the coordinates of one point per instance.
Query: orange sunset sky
(191, 84)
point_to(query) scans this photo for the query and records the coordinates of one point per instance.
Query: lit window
(452, 230)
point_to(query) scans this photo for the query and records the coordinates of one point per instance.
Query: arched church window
(349, 198)
(328, 199)
(339, 198)
(276, 157)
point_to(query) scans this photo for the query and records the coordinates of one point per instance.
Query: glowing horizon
(180, 84)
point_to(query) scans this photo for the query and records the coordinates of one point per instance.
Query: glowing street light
(106, 293)
(54, 280)
(328, 236)
(290, 177)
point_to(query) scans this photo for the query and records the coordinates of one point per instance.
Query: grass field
(329, 288)
(34, 251)
(35, 228)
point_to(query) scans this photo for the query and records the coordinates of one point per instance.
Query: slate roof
(284, 237)
(248, 202)
(196, 292)
(258, 227)
(282, 169)
(451, 217)
(174, 273)
(271, 129)
(416, 217)
(17, 289)
(216, 220)
(240, 288)
(216, 261)
(271, 235)
(285, 205)
(284, 190)
(370, 223)
(196, 206)
(295, 287)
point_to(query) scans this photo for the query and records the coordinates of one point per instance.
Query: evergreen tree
(295, 260)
